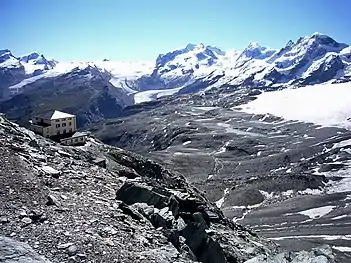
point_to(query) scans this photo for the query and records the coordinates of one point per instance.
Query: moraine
(288, 180)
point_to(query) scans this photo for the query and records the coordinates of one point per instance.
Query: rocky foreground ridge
(58, 205)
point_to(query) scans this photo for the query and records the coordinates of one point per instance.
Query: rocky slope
(61, 203)
(85, 92)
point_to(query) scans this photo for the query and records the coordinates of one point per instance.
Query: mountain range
(33, 83)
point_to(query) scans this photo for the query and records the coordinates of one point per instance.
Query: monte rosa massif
(308, 60)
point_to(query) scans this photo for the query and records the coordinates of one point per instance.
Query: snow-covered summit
(7, 60)
(35, 63)
(34, 58)
(216, 50)
(253, 45)
(200, 50)
(32, 63)
(4, 52)
(326, 40)
(319, 42)
(309, 56)
(256, 51)
(192, 61)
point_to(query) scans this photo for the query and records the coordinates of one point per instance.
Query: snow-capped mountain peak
(216, 50)
(256, 51)
(253, 45)
(33, 56)
(4, 51)
(321, 40)
(35, 63)
(190, 55)
(190, 47)
(290, 43)
(318, 34)
(200, 46)
(196, 49)
(7, 60)
(5, 54)
(190, 50)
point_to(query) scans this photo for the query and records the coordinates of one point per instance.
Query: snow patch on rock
(318, 212)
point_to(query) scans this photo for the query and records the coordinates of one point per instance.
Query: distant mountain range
(32, 83)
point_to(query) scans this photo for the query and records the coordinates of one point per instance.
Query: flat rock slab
(12, 251)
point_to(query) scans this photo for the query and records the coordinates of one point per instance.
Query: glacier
(322, 104)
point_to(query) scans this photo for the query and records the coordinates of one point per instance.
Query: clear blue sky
(141, 29)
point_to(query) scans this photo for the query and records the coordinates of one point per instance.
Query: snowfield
(60, 69)
(149, 95)
(323, 104)
(343, 249)
(120, 72)
(318, 212)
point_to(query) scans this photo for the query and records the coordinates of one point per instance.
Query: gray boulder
(12, 251)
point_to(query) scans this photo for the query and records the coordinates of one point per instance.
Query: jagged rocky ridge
(67, 208)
